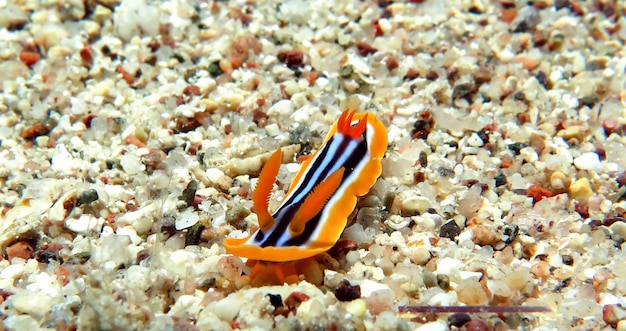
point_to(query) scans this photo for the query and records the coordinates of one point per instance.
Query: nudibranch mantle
(314, 211)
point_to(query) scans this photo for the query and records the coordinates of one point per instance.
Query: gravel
(132, 134)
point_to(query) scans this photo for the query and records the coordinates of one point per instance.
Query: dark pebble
(617, 240)
(194, 234)
(482, 75)
(516, 147)
(484, 135)
(184, 125)
(87, 196)
(543, 79)
(563, 284)
(142, 255)
(293, 59)
(79, 258)
(215, 70)
(43, 256)
(558, 4)
(500, 180)
(347, 292)
(589, 100)
(346, 71)
(510, 231)
(443, 281)
(445, 172)
(275, 299)
(520, 96)
(458, 319)
(526, 20)
(189, 193)
(421, 128)
(462, 90)
(259, 118)
(301, 135)
(567, 259)
(450, 230)
(432, 75)
(236, 214)
(423, 159)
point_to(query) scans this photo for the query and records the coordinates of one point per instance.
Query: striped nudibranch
(323, 193)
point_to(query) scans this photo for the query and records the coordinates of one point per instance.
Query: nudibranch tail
(264, 188)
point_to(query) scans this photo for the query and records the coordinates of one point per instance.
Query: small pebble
(347, 292)
(275, 299)
(189, 193)
(485, 235)
(186, 219)
(20, 249)
(619, 228)
(477, 325)
(558, 181)
(500, 180)
(420, 255)
(587, 161)
(567, 259)
(87, 196)
(458, 319)
(613, 313)
(450, 230)
(131, 164)
(510, 232)
(430, 279)
(471, 293)
(580, 189)
(519, 280)
(443, 281)
(379, 297)
(357, 307)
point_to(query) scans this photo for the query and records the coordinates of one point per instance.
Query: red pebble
(612, 314)
(610, 125)
(125, 76)
(391, 62)
(85, 55)
(192, 90)
(365, 49)
(537, 193)
(295, 299)
(29, 58)
(34, 131)
(378, 31)
(292, 59)
(477, 325)
(20, 249)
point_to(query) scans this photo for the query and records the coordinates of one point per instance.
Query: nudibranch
(314, 211)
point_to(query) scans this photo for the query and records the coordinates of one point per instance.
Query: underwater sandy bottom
(132, 135)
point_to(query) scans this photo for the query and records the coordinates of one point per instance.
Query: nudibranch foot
(279, 273)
